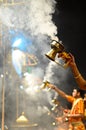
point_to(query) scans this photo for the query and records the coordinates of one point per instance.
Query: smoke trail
(6, 16)
(42, 12)
(55, 73)
(33, 16)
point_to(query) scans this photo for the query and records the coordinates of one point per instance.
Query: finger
(71, 55)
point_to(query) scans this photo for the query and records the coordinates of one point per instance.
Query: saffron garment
(77, 108)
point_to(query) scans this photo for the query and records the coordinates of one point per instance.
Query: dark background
(71, 25)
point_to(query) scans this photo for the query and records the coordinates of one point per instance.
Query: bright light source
(17, 42)
(2, 75)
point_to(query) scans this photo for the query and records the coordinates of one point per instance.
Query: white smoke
(41, 17)
(33, 16)
(55, 73)
(6, 16)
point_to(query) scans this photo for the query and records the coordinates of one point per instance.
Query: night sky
(71, 24)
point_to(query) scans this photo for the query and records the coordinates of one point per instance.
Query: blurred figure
(70, 61)
(76, 114)
(60, 119)
(85, 110)
(85, 100)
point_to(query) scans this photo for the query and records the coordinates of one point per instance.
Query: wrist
(54, 87)
(76, 77)
(73, 64)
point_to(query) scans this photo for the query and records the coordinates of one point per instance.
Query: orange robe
(77, 108)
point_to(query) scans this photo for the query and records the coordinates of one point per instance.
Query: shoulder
(80, 100)
(70, 98)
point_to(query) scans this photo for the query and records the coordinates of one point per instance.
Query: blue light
(20, 45)
(17, 43)
(20, 41)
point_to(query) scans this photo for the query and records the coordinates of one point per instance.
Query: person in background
(70, 61)
(85, 110)
(76, 114)
(85, 100)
